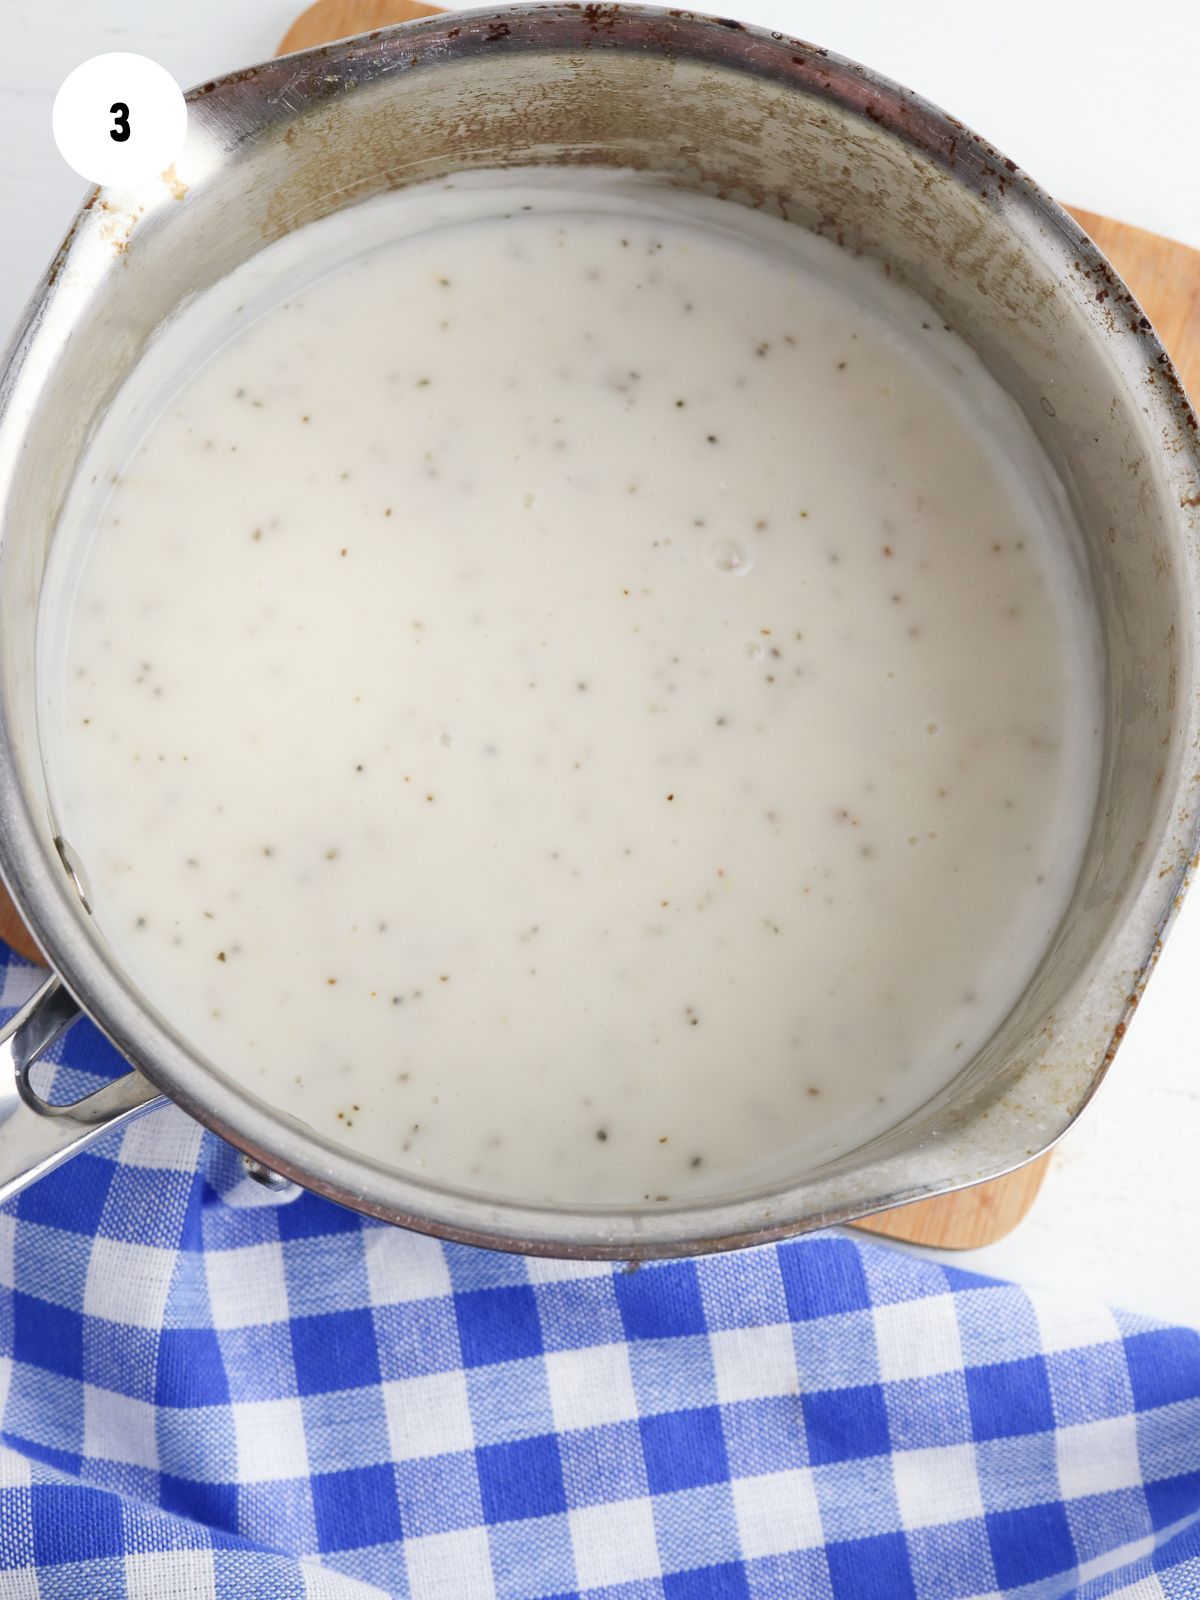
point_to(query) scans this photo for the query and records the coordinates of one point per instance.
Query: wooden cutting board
(1165, 277)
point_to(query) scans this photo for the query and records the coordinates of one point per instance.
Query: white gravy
(579, 692)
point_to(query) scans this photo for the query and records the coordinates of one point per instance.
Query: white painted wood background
(1098, 103)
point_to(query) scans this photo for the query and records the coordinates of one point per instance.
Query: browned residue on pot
(118, 230)
(175, 184)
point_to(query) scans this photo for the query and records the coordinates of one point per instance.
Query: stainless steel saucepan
(769, 123)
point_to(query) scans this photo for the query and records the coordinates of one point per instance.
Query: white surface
(1102, 113)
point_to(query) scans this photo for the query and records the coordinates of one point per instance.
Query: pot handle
(35, 1136)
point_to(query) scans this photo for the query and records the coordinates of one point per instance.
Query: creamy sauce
(589, 699)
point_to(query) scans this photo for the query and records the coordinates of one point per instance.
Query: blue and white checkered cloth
(207, 1390)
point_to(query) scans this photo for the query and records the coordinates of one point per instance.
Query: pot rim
(275, 1139)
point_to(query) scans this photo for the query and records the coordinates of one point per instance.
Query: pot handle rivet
(261, 1174)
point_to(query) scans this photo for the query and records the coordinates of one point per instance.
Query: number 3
(122, 130)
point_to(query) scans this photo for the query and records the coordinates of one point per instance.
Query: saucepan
(772, 124)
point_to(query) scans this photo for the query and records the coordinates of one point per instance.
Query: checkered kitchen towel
(207, 1390)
